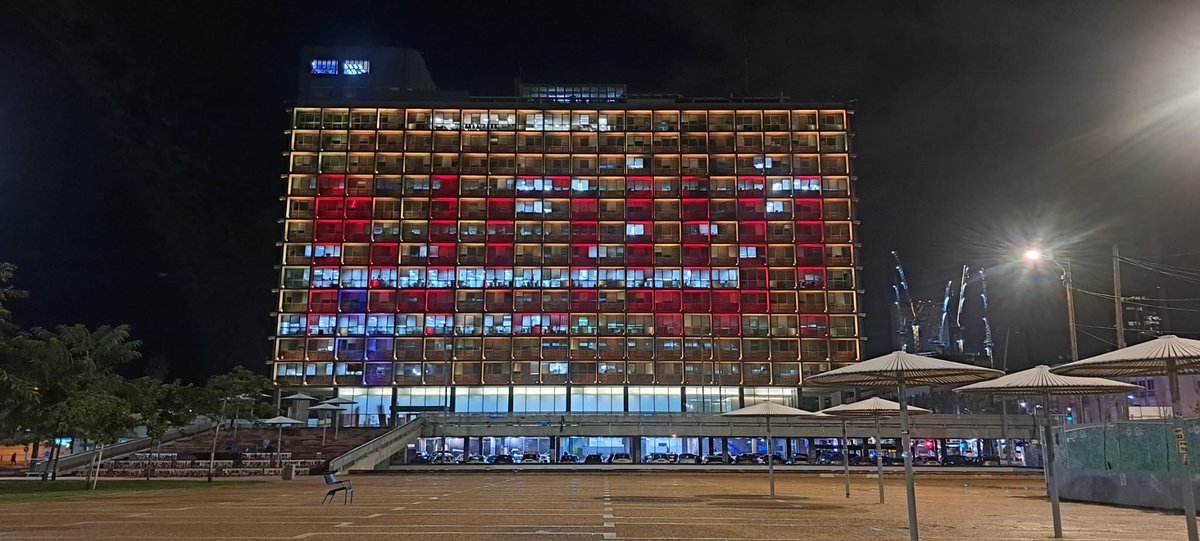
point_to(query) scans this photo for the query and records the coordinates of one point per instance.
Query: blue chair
(344, 487)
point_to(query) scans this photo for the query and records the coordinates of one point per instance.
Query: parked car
(747, 458)
(503, 459)
(473, 459)
(593, 459)
(568, 458)
(714, 459)
(775, 457)
(420, 458)
(829, 458)
(620, 458)
(893, 461)
(800, 458)
(989, 460)
(656, 458)
(444, 457)
(687, 458)
(529, 458)
(959, 460)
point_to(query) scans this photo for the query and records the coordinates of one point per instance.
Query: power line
(1128, 301)
(1085, 333)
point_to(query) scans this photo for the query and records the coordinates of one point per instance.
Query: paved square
(516, 505)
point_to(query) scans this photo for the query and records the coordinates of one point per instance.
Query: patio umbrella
(298, 398)
(1040, 381)
(1167, 355)
(872, 408)
(900, 369)
(279, 422)
(322, 407)
(338, 401)
(769, 410)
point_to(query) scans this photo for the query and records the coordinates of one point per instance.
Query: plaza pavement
(553, 506)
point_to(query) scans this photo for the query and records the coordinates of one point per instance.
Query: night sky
(140, 143)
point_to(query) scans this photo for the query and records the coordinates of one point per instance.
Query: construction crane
(962, 300)
(987, 325)
(907, 324)
(943, 338)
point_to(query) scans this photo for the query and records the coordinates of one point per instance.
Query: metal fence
(1142, 446)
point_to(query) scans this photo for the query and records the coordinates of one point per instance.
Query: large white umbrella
(338, 401)
(872, 408)
(900, 369)
(325, 406)
(769, 410)
(280, 421)
(300, 396)
(296, 399)
(1042, 382)
(1167, 355)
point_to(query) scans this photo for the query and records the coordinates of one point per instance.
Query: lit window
(323, 66)
(356, 67)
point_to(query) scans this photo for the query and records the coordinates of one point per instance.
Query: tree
(229, 396)
(8, 293)
(94, 414)
(57, 364)
(160, 406)
(11, 386)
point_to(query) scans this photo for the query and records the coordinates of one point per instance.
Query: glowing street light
(1034, 254)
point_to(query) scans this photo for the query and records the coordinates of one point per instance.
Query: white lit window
(356, 67)
(322, 66)
(747, 252)
(635, 229)
(581, 184)
(635, 163)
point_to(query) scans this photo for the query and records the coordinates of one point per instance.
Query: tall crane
(907, 324)
(987, 325)
(962, 300)
(943, 338)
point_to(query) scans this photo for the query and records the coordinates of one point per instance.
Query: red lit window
(667, 301)
(695, 254)
(584, 209)
(668, 325)
(583, 301)
(444, 185)
(640, 300)
(727, 325)
(696, 301)
(331, 185)
(725, 301)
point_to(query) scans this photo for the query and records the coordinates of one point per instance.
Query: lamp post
(1034, 254)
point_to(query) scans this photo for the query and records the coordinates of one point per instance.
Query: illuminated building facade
(566, 249)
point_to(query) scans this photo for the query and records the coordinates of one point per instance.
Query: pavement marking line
(376, 515)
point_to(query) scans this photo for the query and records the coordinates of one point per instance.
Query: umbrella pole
(1051, 480)
(279, 446)
(908, 463)
(879, 457)
(845, 458)
(1185, 475)
(770, 461)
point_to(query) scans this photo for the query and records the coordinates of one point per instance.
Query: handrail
(351, 457)
(79, 460)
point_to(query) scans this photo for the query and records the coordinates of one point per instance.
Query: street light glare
(1033, 254)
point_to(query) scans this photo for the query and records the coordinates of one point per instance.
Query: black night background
(140, 142)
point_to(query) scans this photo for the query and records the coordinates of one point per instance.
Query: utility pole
(1067, 281)
(1118, 309)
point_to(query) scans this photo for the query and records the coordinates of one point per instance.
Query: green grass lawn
(32, 490)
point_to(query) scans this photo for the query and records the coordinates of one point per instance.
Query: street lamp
(1033, 254)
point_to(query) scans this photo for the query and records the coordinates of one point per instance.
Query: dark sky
(140, 142)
